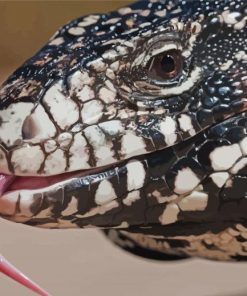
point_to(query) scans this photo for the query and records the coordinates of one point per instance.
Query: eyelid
(152, 51)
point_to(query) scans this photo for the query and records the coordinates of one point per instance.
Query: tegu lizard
(134, 122)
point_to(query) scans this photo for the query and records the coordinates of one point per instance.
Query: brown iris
(165, 66)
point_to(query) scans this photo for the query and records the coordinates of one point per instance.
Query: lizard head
(129, 118)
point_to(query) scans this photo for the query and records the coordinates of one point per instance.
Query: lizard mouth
(10, 184)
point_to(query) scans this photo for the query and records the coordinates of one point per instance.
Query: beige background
(82, 262)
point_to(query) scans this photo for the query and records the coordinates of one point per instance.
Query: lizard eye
(167, 65)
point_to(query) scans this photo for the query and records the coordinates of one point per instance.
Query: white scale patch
(185, 181)
(131, 198)
(112, 127)
(104, 155)
(185, 124)
(102, 149)
(55, 163)
(220, 178)
(78, 79)
(223, 158)
(64, 140)
(50, 146)
(77, 31)
(92, 112)
(79, 154)
(89, 20)
(57, 41)
(107, 95)
(110, 74)
(12, 120)
(196, 201)
(168, 128)
(230, 18)
(98, 65)
(110, 55)
(85, 94)
(115, 66)
(132, 145)
(105, 193)
(64, 111)
(135, 175)
(170, 214)
(23, 159)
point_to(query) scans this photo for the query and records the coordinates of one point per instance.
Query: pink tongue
(9, 270)
(5, 181)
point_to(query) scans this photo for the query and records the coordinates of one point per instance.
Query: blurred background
(84, 263)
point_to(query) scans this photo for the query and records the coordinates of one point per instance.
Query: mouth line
(10, 183)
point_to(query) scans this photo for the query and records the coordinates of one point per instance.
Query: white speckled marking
(185, 124)
(131, 198)
(230, 17)
(12, 120)
(95, 136)
(105, 193)
(185, 181)
(135, 175)
(242, 163)
(132, 145)
(64, 139)
(76, 31)
(79, 154)
(50, 146)
(112, 127)
(23, 159)
(89, 20)
(106, 95)
(196, 201)
(55, 163)
(168, 128)
(92, 112)
(85, 94)
(78, 79)
(64, 111)
(220, 178)
(98, 65)
(170, 214)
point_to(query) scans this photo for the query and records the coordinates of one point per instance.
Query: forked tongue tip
(12, 272)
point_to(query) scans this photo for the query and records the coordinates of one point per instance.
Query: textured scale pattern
(164, 164)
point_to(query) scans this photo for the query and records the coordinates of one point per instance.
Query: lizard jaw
(11, 186)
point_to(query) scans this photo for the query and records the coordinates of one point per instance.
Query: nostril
(38, 126)
(29, 128)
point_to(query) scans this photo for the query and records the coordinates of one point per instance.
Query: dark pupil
(168, 64)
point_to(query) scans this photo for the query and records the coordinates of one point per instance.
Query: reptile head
(131, 119)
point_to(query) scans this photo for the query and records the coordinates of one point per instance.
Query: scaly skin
(163, 161)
